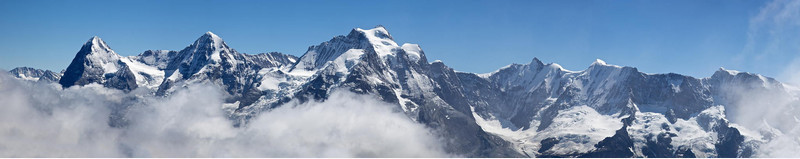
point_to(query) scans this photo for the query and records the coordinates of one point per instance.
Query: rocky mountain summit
(522, 110)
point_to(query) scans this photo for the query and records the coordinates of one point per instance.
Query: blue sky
(693, 37)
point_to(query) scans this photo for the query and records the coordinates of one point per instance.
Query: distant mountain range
(521, 110)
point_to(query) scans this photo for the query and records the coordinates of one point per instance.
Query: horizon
(400, 78)
(685, 37)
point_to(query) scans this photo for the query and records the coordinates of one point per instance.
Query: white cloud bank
(41, 120)
(772, 117)
(773, 37)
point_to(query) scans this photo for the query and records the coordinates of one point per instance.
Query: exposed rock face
(210, 59)
(33, 74)
(92, 64)
(521, 110)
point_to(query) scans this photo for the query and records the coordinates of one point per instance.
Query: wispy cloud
(774, 37)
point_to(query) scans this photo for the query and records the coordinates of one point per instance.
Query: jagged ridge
(533, 109)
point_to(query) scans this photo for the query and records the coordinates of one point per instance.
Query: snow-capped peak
(376, 40)
(535, 109)
(378, 32)
(726, 74)
(599, 62)
(100, 53)
(413, 50)
(730, 72)
(98, 45)
(380, 39)
(91, 63)
(212, 36)
(210, 46)
(209, 39)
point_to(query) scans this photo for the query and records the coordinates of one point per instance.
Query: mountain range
(522, 110)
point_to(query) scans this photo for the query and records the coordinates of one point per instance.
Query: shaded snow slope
(522, 110)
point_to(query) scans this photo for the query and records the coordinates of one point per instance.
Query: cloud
(771, 116)
(773, 37)
(791, 74)
(42, 120)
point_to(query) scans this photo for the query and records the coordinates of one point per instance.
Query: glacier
(522, 110)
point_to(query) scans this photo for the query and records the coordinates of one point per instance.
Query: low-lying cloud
(771, 116)
(773, 38)
(41, 120)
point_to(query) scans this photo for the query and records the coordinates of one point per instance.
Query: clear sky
(693, 37)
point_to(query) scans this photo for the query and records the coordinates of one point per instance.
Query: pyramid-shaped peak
(211, 35)
(209, 39)
(599, 62)
(91, 63)
(97, 41)
(95, 45)
(95, 38)
(536, 61)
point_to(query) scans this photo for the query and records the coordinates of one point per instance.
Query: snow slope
(521, 110)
